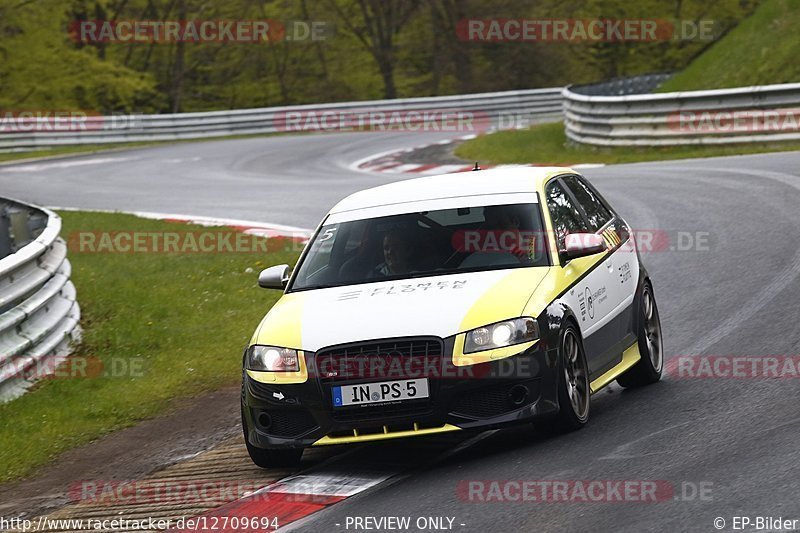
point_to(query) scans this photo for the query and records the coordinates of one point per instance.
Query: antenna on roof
(476, 167)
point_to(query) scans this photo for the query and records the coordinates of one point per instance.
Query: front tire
(271, 458)
(574, 394)
(648, 369)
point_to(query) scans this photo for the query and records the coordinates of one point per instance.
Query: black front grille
(409, 408)
(491, 401)
(384, 360)
(380, 361)
(483, 403)
(290, 423)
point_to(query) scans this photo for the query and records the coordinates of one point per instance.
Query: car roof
(501, 180)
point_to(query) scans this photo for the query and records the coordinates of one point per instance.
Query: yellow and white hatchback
(445, 303)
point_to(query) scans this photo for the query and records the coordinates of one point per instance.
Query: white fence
(533, 105)
(614, 113)
(741, 115)
(38, 310)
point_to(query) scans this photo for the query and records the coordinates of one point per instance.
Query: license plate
(384, 391)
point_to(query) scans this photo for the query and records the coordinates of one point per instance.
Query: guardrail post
(5, 233)
(36, 223)
(18, 220)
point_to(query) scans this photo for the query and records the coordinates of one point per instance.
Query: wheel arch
(556, 315)
(644, 279)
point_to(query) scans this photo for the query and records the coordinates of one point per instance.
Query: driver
(398, 252)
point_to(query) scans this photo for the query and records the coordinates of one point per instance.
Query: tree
(446, 14)
(379, 23)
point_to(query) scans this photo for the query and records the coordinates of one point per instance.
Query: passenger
(502, 219)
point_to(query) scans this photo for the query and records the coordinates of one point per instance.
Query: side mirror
(274, 277)
(583, 244)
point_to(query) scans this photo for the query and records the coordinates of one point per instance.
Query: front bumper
(517, 388)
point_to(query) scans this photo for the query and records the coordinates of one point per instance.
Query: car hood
(439, 306)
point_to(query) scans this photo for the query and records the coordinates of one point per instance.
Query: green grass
(547, 144)
(95, 148)
(762, 50)
(184, 317)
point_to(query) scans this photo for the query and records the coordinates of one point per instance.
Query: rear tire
(648, 369)
(574, 395)
(271, 458)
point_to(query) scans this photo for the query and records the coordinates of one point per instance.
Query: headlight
(506, 333)
(272, 359)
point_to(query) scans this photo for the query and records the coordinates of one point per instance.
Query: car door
(590, 279)
(590, 297)
(614, 294)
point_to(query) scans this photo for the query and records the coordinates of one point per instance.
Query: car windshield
(427, 243)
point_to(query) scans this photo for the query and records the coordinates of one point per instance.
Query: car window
(566, 217)
(597, 214)
(427, 243)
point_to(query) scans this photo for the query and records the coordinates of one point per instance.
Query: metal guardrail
(612, 113)
(533, 105)
(740, 115)
(644, 83)
(38, 310)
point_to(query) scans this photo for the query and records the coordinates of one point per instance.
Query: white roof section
(506, 180)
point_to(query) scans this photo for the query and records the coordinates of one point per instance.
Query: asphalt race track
(285, 180)
(736, 294)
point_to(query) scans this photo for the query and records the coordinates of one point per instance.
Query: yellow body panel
(505, 299)
(325, 441)
(281, 327)
(557, 281)
(629, 358)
